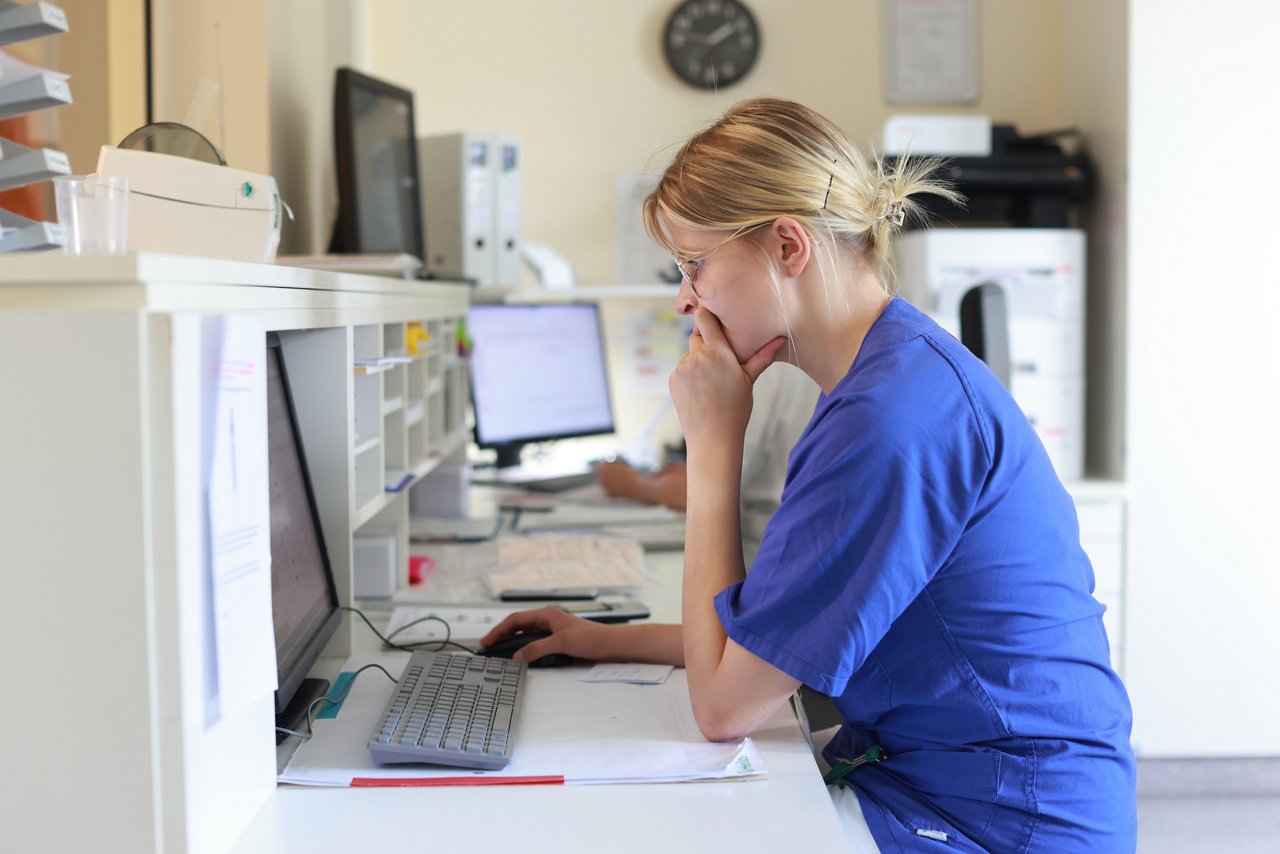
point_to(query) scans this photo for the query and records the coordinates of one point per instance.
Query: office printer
(185, 206)
(1026, 182)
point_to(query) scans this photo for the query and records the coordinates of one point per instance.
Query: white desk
(790, 810)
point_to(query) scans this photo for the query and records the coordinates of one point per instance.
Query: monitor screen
(304, 601)
(376, 157)
(538, 372)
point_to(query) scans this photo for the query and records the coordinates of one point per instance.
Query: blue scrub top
(924, 569)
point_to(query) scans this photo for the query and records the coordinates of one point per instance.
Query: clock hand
(720, 34)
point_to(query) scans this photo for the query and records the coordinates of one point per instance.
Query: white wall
(1204, 377)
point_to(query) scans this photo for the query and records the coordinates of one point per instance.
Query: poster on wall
(655, 341)
(636, 259)
(931, 52)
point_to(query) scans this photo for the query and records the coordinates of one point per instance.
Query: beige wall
(211, 72)
(583, 84)
(1095, 99)
(102, 50)
(309, 39)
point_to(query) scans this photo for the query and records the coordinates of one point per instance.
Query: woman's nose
(686, 299)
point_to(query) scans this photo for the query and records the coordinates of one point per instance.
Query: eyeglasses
(691, 267)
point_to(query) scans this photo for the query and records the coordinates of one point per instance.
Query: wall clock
(711, 44)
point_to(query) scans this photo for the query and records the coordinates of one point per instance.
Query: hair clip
(830, 178)
(896, 213)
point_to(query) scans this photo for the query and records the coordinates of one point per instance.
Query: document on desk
(569, 732)
(574, 515)
(411, 624)
(567, 562)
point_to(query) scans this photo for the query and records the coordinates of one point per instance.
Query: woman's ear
(790, 245)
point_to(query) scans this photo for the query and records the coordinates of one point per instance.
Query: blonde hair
(766, 158)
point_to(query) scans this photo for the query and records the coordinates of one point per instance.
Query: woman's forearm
(712, 561)
(646, 643)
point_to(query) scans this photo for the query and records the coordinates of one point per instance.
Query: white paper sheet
(637, 260)
(238, 504)
(630, 674)
(14, 70)
(585, 733)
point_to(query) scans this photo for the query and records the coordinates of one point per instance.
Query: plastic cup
(93, 212)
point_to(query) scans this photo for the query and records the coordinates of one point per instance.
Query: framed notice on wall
(931, 52)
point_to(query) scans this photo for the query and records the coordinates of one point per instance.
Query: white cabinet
(103, 514)
(1100, 507)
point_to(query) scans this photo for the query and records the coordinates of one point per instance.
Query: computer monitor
(304, 599)
(376, 155)
(538, 372)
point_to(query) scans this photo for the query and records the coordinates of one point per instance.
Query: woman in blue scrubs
(924, 567)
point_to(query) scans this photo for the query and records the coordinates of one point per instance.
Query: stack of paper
(564, 563)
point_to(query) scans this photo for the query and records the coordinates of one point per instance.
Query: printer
(1018, 181)
(184, 206)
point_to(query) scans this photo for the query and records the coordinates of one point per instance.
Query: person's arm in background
(667, 486)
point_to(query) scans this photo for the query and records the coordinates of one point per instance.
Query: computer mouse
(508, 646)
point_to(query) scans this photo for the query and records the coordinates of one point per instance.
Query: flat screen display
(304, 604)
(538, 372)
(377, 165)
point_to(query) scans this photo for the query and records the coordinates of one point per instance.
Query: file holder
(20, 165)
(20, 22)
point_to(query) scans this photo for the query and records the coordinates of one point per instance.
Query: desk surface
(789, 810)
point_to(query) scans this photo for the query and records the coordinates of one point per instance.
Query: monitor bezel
(604, 363)
(346, 227)
(314, 645)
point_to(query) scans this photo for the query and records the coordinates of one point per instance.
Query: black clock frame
(678, 63)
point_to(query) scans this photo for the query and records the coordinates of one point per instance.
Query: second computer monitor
(376, 155)
(538, 372)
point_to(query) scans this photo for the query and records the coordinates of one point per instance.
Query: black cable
(448, 632)
(346, 689)
(411, 647)
(443, 644)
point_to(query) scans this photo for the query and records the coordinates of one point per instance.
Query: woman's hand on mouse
(570, 634)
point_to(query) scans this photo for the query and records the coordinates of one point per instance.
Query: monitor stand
(508, 455)
(294, 716)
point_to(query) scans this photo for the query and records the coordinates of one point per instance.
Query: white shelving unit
(106, 493)
(587, 293)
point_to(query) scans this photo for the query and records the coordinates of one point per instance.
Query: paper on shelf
(14, 70)
(631, 674)
(568, 731)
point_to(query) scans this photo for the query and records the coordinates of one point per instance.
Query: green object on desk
(875, 753)
(337, 694)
